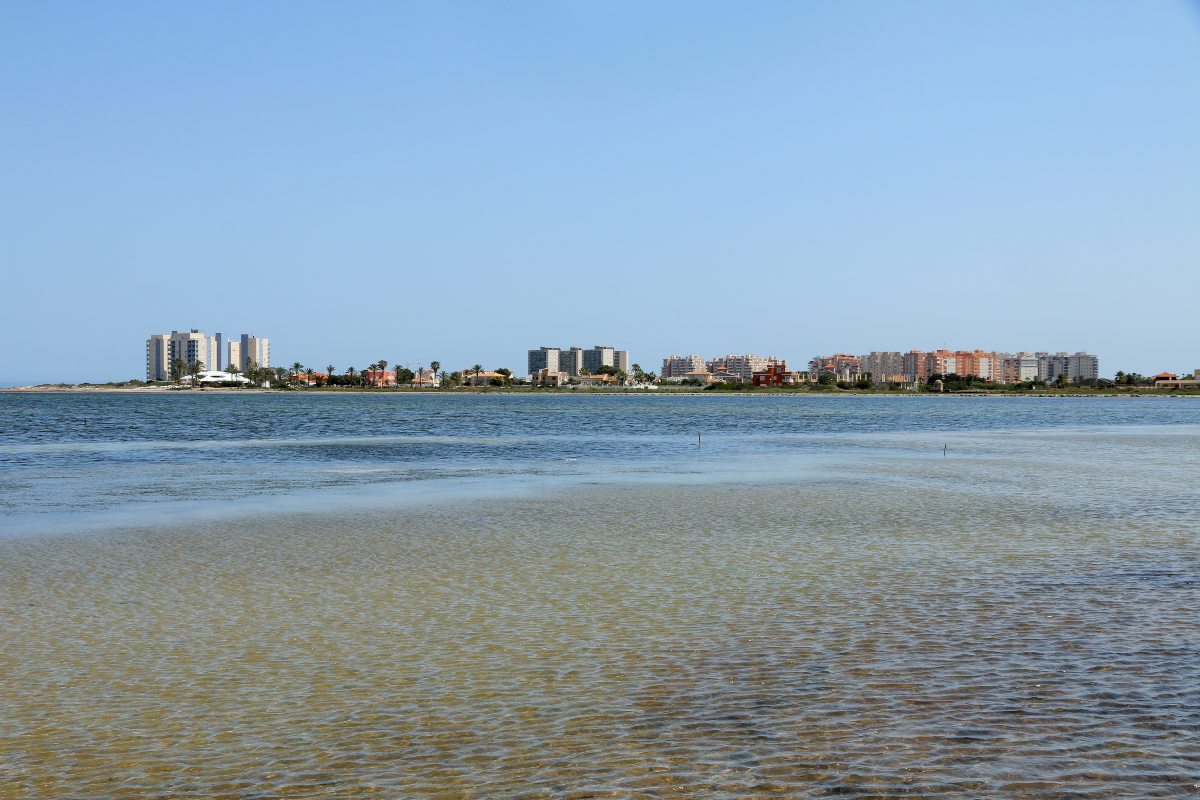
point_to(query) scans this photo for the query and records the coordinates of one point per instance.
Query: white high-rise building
(162, 350)
(253, 349)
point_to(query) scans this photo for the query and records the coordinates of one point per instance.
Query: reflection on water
(986, 624)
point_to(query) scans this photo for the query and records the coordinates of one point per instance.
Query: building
(254, 350)
(379, 377)
(743, 366)
(1018, 368)
(426, 378)
(605, 356)
(192, 347)
(544, 358)
(883, 366)
(775, 374)
(484, 378)
(575, 361)
(598, 380)
(570, 361)
(677, 367)
(546, 377)
(1078, 367)
(215, 377)
(843, 366)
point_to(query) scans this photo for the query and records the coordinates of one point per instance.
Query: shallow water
(862, 617)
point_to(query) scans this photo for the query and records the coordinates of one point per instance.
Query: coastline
(591, 391)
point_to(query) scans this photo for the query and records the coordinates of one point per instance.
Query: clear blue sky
(464, 181)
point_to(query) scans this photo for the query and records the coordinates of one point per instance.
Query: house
(547, 377)
(483, 378)
(776, 374)
(427, 379)
(597, 380)
(379, 377)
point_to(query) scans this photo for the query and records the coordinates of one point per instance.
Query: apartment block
(544, 358)
(1078, 367)
(162, 349)
(843, 365)
(677, 367)
(570, 361)
(575, 361)
(883, 366)
(743, 366)
(254, 350)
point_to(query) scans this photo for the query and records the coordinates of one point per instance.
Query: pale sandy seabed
(830, 639)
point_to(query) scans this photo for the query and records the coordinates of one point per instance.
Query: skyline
(464, 182)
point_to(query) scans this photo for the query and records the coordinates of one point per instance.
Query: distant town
(193, 358)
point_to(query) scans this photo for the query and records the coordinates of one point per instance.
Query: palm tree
(435, 366)
(297, 368)
(194, 369)
(309, 372)
(178, 368)
(350, 373)
(382, 369)
(329, 375)
(478, 368)
(233, 370)
(373, 373)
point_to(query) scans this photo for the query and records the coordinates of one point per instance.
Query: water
(494, 596)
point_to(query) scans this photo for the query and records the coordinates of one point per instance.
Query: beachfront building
(775, 374)
(544, 358)
(162, 349)
(843, 366)
(548, 377)
(883, 366)
(1018, 367)
(743, 366)
(214, 377)
(576, 361)
(254, 350)
(1077, 368)
(570, 361)
(379, 377)
(679, 367)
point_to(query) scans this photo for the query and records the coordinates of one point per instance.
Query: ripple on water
(660, 641)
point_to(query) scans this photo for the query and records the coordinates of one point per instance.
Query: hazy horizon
(464, 182)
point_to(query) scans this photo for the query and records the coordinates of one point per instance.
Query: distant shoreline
(525, 390)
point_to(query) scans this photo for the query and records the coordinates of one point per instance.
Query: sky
(464, 181)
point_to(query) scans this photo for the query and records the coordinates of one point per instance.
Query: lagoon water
(390, 595)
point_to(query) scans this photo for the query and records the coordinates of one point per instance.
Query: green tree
(477, 368)
(233, 370)
(297, 368)
(178, 370)
(350, 373)
(404, 375)
(308, 372)
(435, 366)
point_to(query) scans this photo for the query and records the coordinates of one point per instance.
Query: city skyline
(453, 182)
